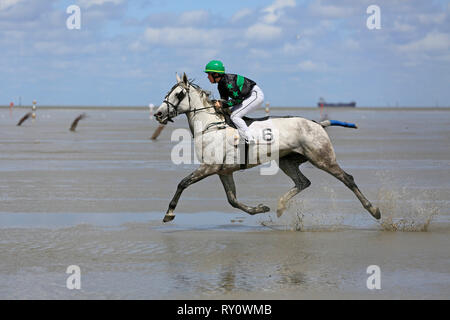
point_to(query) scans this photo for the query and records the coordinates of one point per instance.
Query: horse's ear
(178, 78)
(185, 79)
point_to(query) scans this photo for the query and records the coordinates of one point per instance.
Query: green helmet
(215, 66)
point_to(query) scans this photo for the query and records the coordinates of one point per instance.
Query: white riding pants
(238, 111)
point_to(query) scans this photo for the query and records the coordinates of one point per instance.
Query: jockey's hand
(218, 106)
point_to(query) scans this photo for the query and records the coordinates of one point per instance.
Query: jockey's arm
(221, 103)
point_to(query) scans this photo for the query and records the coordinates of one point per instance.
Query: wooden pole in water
(74, 124)
(23, 119)
(267, 108)
(160, 128)
(157, 131)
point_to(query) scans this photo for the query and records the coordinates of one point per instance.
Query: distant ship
(322, 103)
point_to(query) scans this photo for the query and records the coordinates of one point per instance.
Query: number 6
(267, 135)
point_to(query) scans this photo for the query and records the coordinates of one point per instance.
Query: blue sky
(128, 51)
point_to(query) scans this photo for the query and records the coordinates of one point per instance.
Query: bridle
(180, 96)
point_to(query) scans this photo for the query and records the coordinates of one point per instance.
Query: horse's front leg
(202, 172)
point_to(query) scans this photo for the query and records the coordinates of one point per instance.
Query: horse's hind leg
(350, 183)
(290, 166)
(326, 161)
(230, 190)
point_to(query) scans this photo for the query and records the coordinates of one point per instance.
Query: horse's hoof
(168, 217)
(263, 208)
(375, 212)
(280, 212)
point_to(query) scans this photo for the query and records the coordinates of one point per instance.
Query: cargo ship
(322, 103)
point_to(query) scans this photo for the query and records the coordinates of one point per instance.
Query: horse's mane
(204, 95)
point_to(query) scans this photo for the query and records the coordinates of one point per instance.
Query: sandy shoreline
(95, 198)
(149, 261)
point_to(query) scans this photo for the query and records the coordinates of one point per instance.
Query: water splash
(304, 215)
(402, 212)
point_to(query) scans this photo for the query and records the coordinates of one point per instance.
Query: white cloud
(190, 18)
(56, 48)
(262, 32)
(403, 27)
(432, 18)
(177, 36)
(301, 46)
(330, 11)
(310, 66)
(444, 58)
(6, 4)
(241, 14)
(136, 46)
(260, 54)
(274, 12)
(351, 44)
(324, 27)
(433, 41)
(90, 3)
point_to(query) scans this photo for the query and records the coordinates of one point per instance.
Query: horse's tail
(329, 123)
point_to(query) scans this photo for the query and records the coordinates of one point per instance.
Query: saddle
(247, 120)
(227, 115)
(226, 112)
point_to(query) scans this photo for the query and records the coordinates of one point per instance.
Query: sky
(127, 52)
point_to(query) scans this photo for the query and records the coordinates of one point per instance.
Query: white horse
(297, 140)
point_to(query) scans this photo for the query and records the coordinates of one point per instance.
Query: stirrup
(250, 141)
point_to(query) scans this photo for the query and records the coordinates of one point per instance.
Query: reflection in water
(228, 280)
(139, 262)
(291, 277)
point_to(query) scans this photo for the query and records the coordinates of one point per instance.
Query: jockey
(242, 95)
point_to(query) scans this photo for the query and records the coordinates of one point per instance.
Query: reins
(180, 98)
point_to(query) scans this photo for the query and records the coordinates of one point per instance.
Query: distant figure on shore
(160, 127)
(74, 125)
(151, 106)
(33, 110)
(24, 118)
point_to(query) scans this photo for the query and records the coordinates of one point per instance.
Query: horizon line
(69, 106)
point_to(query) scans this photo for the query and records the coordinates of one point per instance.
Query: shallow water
(95, 198)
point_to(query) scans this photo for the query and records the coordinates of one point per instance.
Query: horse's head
(177, 101)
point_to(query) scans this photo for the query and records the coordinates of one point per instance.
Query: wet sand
(95, 198)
